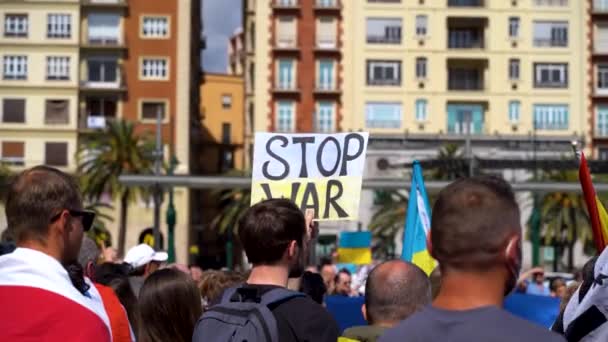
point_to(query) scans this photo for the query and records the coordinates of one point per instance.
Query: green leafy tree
(564, 218)
(104, 156)
(388, 220)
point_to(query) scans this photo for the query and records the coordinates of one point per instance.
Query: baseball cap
(143, 254)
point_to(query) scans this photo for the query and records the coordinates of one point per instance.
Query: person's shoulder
(526, 329)
(407, 327)
(308, 318)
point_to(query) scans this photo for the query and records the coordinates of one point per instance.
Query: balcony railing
(107, 41)
(456, 83)
(600, 45)
(330, 4)
(394, 124)
(286, 86)
(94, 121)
(602, 91)
(465, 3)
(286, 42)
(383, 39)
(326, 41)
(325, 86)
(600, 6)
(286, 4)
(548, 42)
(384, 82)
(465, 40)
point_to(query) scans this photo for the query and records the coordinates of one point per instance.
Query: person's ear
(364, 312)
(61, 225)
(292, 249)
(513, 251)
(88, 271)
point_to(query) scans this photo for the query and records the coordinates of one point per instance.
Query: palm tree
(389, 219)
(452, 164)
(564, 218)
(106, 155)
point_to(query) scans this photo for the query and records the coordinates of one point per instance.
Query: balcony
(99, 112)
(465, 79)
(288, 88)
(600, 46)
(103, 43)
(121, 4)
(323, 88)
(550, 42)
(466, 3)
(466, 33)
(600, 7)
(326, 42)
(327, 6)
(286, 5)
(286, 43)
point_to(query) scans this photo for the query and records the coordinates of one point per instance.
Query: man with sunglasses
(45, 215)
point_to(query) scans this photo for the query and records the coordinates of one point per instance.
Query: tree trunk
(122, 228)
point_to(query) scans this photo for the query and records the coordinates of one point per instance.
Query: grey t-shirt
(487, 323)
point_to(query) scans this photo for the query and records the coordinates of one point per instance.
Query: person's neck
(40, 247)
(462, 290)
(269, 275)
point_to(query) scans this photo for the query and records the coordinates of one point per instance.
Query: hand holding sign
(323, 172)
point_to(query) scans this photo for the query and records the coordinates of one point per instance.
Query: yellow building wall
(263, 49)
(497, 52)
(34, 145)
(214, 87)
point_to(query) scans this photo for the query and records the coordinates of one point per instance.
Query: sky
(220, 19)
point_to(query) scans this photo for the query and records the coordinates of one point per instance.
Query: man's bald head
(394, 290)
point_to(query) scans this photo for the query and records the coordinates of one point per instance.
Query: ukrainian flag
(417, 224)
(355, 248)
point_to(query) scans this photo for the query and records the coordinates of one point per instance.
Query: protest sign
(323, 172)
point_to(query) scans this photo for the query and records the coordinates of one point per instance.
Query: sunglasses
(87, 217)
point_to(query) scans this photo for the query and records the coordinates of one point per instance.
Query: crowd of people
(58, 284)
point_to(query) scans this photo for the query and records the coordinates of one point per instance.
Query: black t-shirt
(301, 319)
(487, 323)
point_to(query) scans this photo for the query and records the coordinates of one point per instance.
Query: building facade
(39, 83)
(293, 71)
(236, 53)
(70, 67)
(598, 77)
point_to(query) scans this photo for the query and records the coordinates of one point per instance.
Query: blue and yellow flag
(355, 248)
(417, 224)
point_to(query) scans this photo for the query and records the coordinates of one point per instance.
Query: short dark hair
(89, 252)
(312, 284)
(394, 290)
(267, 228)
(471, 222)
(34, 196)
(342, 271)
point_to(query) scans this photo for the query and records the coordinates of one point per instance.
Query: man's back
(487, 323)
(301, 319)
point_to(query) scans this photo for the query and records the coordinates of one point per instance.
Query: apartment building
(236, 53)
(598, 77)
(70, 67)
(39, 83)
(504, 74)
(293, 78)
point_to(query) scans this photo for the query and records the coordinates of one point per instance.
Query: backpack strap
(228, 294)
(279, 295)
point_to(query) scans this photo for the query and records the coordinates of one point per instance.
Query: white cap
(143, 254)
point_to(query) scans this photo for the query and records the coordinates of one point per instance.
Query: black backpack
(242, 316)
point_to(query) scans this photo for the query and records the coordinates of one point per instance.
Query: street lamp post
(171, 215)
(158, 157)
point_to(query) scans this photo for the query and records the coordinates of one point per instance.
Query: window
(326, 33)
(550, 75)
(600, 5)
(421, 25)
(226, 101)
(58, 68)
(551, 117)
(154, 69)
(514, 69)
(102, 70)
(465, 38)
(551, 33)
(285, 117)
(104, 28)
(15, 67)
(421, 110)
(601, 119)
(326, 3)
(602, 78)
(286, 79)
(325, 117)
(325, 79)
(602, 153)
(57, 112)
(383, 73)
(226, 133)
(155, 27)
(465, 118)
(514, 27)
(383, 115)
(13, 152)
(384, 31)
(421, 67)
(465, 3)
(151, 109)
(59, 25)
(514, 111)
(286, 32)
(600, 41)
(465, 79)
(13, 111)
(56, 154)
(561, 3)
(16, 25)
(287, 3)
(99, 110)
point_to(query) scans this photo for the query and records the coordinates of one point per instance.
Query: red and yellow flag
(597, 212)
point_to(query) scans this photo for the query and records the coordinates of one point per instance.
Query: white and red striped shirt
(39, 302)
